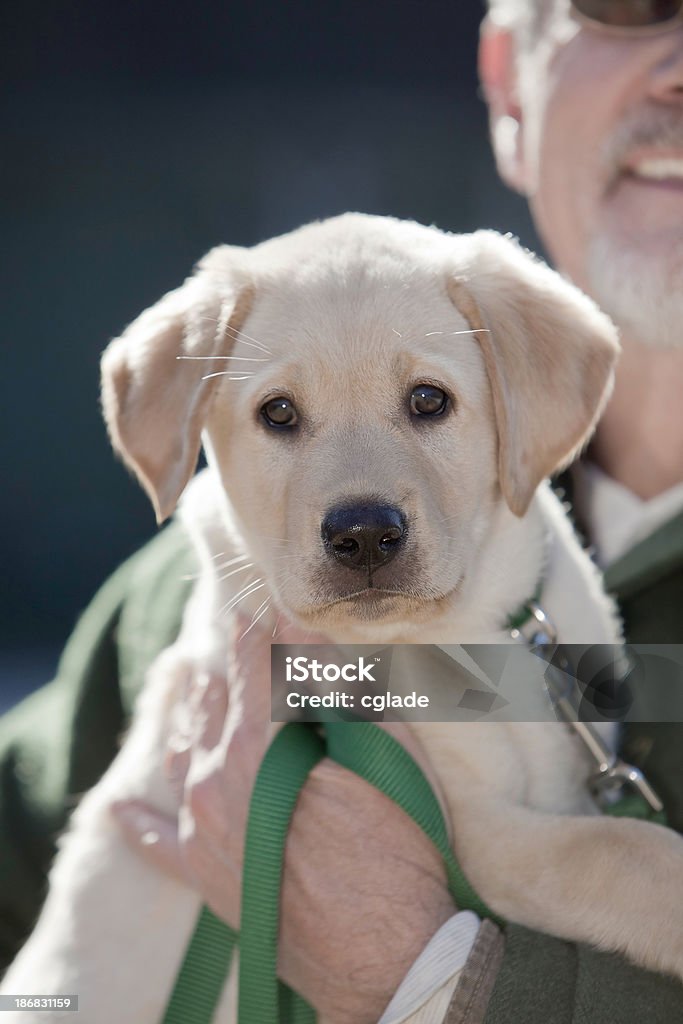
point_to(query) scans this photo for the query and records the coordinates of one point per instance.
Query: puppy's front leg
(615, 883)
(113, 930)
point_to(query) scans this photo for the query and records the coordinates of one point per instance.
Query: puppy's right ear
(155, 399)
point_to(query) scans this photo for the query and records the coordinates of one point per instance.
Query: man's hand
(363, 888)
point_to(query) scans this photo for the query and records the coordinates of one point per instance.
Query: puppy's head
(369, 392)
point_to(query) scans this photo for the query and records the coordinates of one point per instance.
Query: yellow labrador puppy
(380, 404)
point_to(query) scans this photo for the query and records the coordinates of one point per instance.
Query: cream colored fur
(344, 317)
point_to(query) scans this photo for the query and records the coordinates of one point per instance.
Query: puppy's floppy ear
(549, 353)
(155, 404)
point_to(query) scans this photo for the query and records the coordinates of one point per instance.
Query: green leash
(295, 750)
(203, 972)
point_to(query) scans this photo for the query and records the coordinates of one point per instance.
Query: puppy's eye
(427, 400)
(279, 412)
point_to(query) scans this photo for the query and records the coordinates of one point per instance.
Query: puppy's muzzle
(364, 536)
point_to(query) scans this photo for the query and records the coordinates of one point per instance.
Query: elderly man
(586, 106)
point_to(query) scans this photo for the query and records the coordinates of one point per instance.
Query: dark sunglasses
(629, 15)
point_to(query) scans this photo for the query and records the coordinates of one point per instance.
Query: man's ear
(549, 354)
(498, 76)
(157, 381)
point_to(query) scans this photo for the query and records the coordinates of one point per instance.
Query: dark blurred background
(137, 135)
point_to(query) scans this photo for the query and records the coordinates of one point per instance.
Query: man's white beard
(644, 296)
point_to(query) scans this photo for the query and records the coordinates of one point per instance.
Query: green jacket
(57, 743)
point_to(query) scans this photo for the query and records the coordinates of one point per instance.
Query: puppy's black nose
(364, 536)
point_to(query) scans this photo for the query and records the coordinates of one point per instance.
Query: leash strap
(295, 750)
(200, 980)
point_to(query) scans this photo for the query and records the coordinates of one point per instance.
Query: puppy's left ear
(549, 354)
(159, 377)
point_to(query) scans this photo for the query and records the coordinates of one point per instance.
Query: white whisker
(450, 334)
(265, 601)
(397, 333)
(240, 568)
(244, 359)
(239, 335)
(289, 625)
(476, 330)
(249, 584)
(257, 617)
(249, 588)
(243, 597)
(229, 374)
(231, 561)
(198, 575)
(253, 344)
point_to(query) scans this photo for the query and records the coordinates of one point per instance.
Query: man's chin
(640, 286)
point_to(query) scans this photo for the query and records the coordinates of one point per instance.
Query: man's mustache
(648, 127)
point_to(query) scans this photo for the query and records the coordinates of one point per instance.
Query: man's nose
(364, 535)
(666, 74)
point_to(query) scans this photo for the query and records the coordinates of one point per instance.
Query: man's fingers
(152, 835)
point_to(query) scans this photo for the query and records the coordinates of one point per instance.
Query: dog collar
(523, 621)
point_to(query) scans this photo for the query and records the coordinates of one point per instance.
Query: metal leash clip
(612, 778)
(613, 775)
